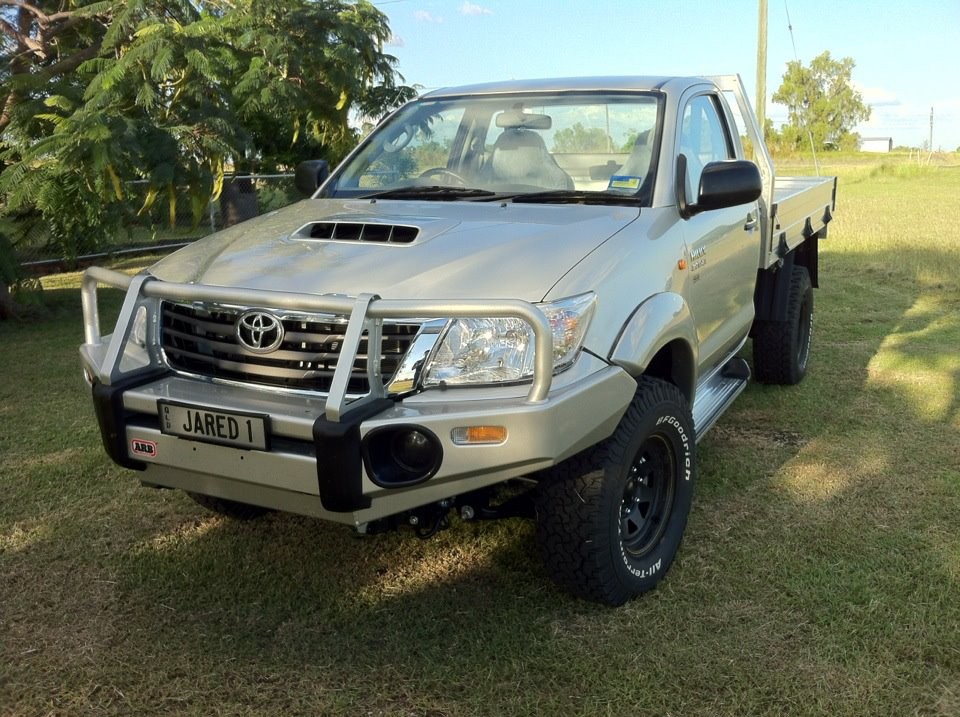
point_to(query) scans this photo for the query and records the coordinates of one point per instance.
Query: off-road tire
(229, 508)
(781, 349)
(610, 519)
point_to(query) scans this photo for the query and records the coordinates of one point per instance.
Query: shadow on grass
(847, 489)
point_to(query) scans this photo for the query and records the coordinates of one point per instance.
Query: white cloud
(469, 8)
(396, 41)
(909, 123)
(426, 16)
(877, 96)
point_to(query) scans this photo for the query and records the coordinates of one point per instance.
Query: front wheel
(610, 520)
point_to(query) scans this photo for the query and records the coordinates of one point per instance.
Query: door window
(703, 138)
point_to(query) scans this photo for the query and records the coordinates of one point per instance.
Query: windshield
(491, 146)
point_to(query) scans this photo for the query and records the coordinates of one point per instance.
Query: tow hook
(430, 519)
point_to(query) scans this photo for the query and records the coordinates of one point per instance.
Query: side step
(717, 392)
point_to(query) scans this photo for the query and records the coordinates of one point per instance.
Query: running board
(717, 392)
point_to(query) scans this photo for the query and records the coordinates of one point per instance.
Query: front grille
(203, 341)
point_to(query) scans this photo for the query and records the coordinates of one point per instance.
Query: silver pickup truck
(512, 299)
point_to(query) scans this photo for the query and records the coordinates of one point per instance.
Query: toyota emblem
(259, 331)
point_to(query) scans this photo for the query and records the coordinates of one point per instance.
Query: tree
(173, 93)
(578, 138)
(821, 100)
(42, 44)
(9, 275)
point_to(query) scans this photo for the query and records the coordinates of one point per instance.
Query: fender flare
(659, 321)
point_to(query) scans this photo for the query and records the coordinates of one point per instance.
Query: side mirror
(728, 184)
(311, 174)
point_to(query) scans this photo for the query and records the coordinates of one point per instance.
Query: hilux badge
(259, 331)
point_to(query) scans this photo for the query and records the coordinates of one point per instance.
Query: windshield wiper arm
(430, 192)
(570, 196)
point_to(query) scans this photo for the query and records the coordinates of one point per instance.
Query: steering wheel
(445, 173)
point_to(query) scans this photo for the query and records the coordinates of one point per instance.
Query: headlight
(479, 351)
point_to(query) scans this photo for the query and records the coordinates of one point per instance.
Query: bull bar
(366, 313)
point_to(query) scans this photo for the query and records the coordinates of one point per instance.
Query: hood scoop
(357, 232)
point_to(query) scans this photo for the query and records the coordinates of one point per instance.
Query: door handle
(751, 222)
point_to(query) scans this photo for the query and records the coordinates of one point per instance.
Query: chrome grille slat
(209, 327)
(202, 340)
(233, 349)
(304, 336)
(259, 370)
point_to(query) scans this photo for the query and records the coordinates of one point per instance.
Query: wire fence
(146, 232)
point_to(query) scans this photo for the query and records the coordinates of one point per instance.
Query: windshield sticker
(624, 182)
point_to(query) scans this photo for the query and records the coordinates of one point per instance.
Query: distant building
(876, 144)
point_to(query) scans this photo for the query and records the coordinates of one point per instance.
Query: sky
(907, 54)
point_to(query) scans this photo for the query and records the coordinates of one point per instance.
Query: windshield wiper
(576, 196)
(430, 192)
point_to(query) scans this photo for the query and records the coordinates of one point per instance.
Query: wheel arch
(659, 340)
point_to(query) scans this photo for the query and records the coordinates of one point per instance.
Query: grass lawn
(820, 572)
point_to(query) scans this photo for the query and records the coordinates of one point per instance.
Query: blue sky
(907, 54)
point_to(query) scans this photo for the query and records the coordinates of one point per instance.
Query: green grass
(820, 573)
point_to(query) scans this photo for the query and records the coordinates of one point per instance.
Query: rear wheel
(610, 520)
(229, 508)
(781, 349)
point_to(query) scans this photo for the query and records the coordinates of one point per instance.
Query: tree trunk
(8, 308)
(238, 201)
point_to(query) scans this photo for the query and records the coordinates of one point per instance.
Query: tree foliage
(821, 101)
(578, 138)
(96, 94)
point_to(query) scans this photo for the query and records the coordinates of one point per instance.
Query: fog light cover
(399, 456)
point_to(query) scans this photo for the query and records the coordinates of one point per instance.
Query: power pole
(762, 68)
(930, 146)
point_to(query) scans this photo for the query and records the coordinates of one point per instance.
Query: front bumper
(315, 463)
(292, 475)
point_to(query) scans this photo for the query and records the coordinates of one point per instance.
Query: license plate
(228, 428)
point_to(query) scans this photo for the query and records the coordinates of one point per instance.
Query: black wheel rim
(647, 497)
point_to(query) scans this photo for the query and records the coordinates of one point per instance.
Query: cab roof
(572, 84)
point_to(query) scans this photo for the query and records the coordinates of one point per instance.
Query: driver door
(723, 244)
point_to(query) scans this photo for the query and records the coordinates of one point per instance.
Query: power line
(790, 28)
(796, 57)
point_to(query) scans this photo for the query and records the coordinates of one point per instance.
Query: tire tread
(570, 533)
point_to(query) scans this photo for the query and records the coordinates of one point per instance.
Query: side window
(703, 138)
